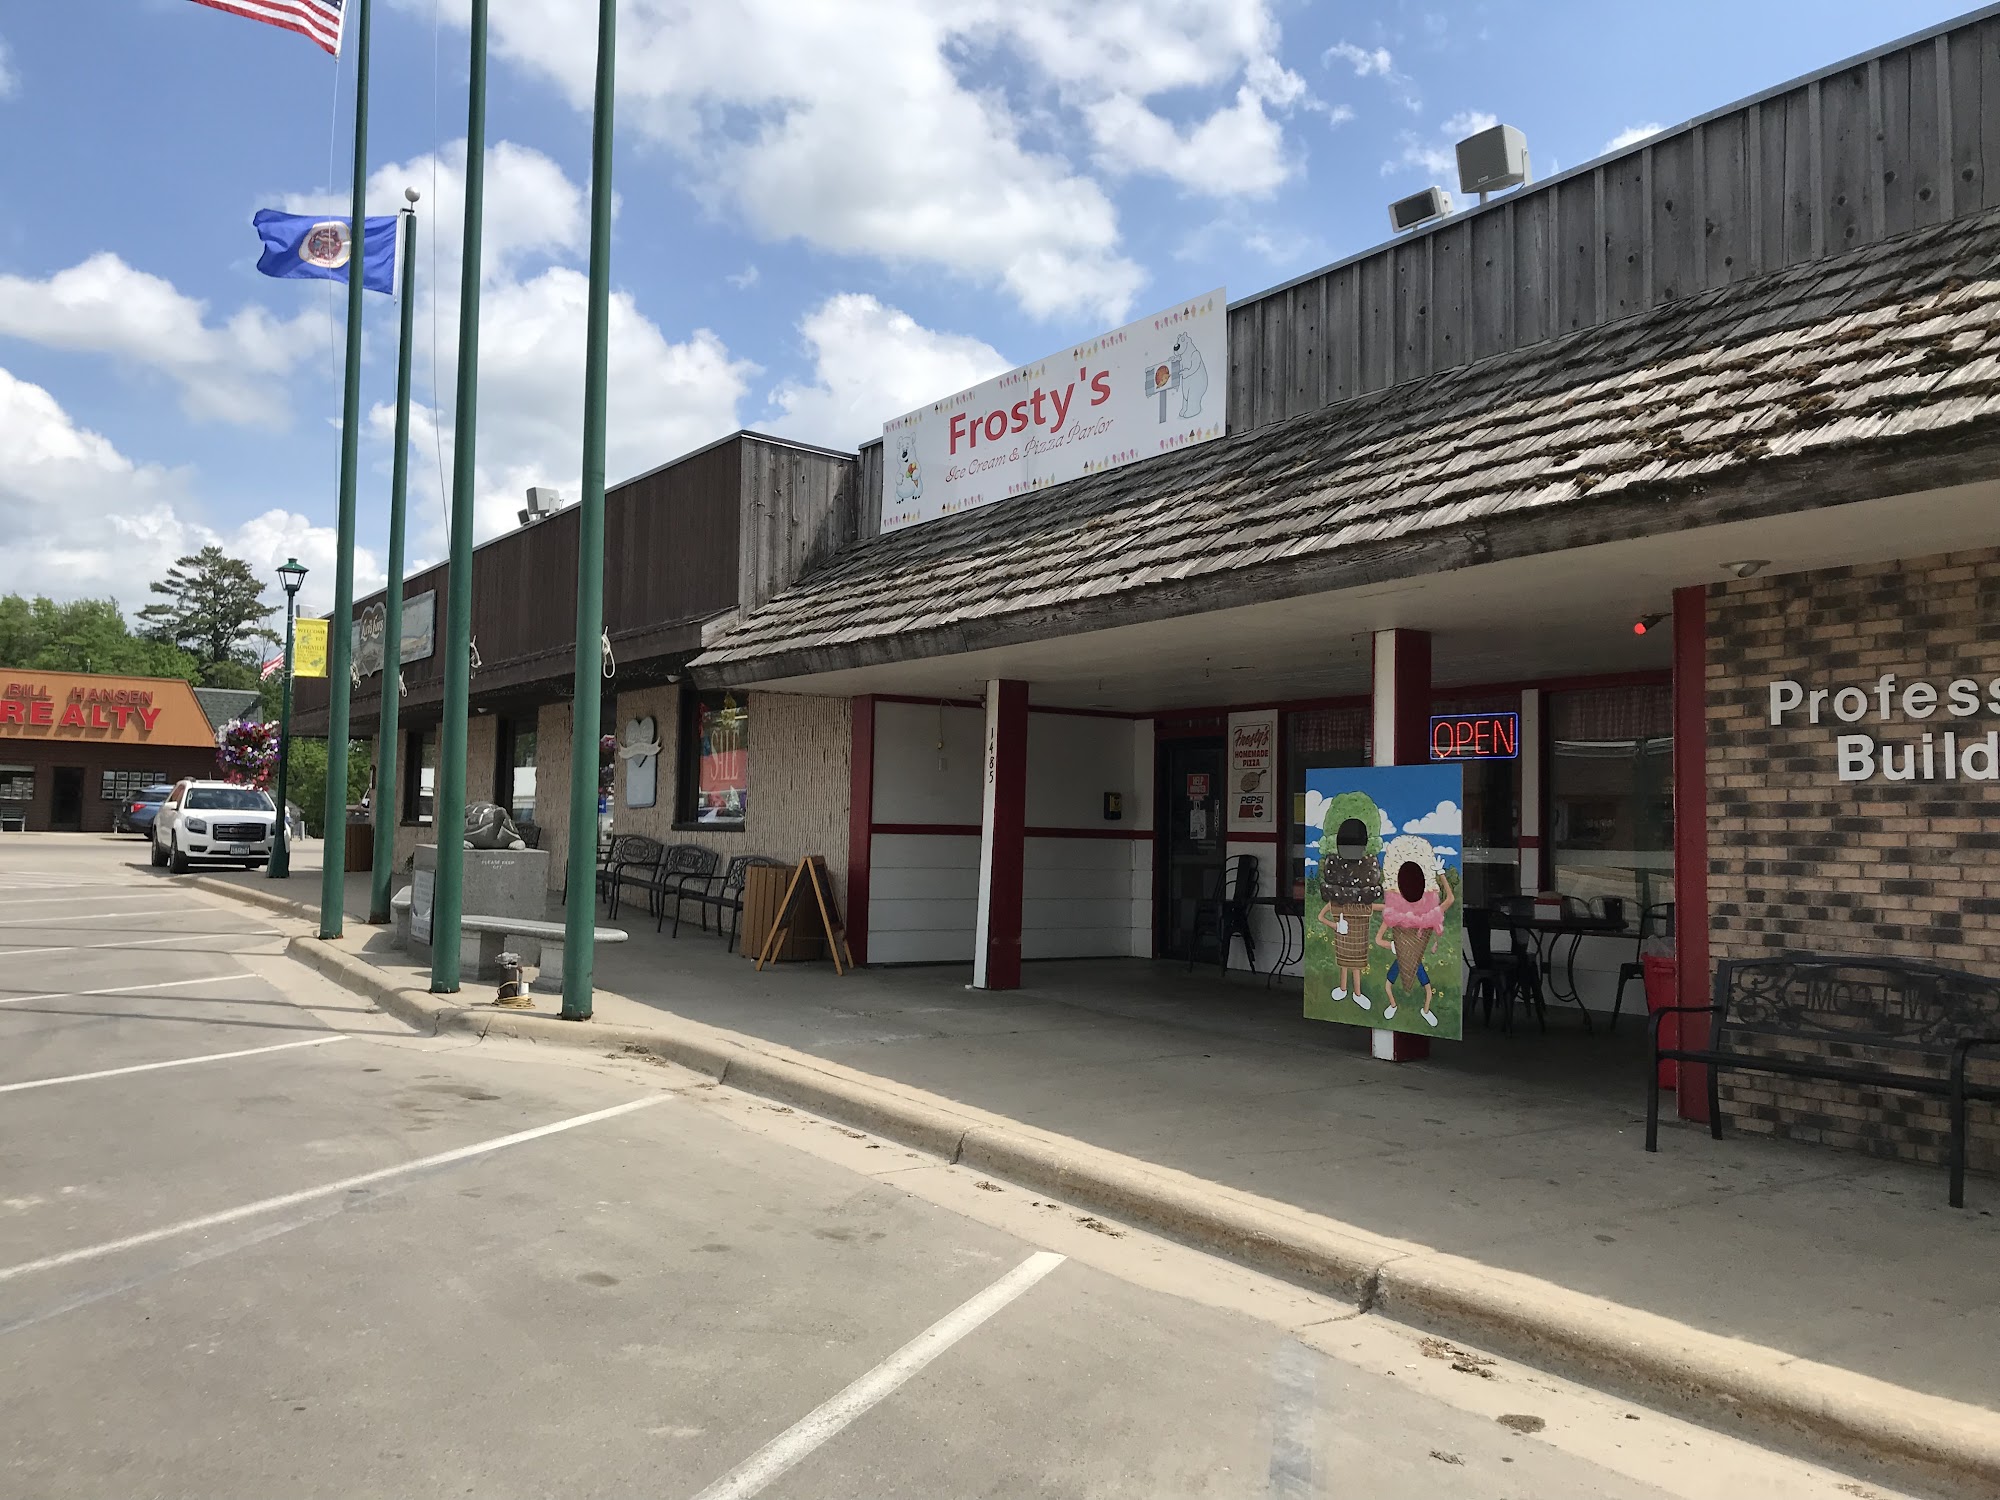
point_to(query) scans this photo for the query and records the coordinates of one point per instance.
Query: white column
(1532, 853)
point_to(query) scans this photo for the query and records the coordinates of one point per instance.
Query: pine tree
(212, 608)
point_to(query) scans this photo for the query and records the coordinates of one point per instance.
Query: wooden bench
(498, 935)
(1874, 1023)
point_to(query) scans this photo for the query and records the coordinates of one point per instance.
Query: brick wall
(799, 748)
(1802, 859)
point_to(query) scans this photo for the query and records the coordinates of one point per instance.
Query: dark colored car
(137, 815)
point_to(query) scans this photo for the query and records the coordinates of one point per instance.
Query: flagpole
(448, 816)
(340, 646)
(389, 728)
(580, 916)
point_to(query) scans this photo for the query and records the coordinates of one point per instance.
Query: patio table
(1547, 934)
(1289, 951)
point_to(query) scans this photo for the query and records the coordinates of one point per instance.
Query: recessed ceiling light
(1748, 567)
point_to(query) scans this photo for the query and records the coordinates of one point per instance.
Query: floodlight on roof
(1492, 160)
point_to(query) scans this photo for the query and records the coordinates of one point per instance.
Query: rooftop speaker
(1492, 160)
(541, 500)
(1419, 208)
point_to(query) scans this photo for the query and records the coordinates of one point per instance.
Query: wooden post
(860, 820)
(1691, 835)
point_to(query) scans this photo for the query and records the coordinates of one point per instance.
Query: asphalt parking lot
(257, 1239)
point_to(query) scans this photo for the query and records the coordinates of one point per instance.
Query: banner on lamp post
(309, 648)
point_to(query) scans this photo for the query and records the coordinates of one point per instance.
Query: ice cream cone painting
(1383, 898)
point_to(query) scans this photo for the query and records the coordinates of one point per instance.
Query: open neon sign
(1475, 736)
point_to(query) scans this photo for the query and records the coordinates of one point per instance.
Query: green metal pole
(280, 867)
(580, 916)
(382, 871)
(340, 631)
(448, 817)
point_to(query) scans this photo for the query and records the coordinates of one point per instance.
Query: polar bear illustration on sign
(1194, 375)
(909, 473)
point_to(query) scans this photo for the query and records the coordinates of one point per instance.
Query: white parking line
(186, 937)
(101, 916)
(307, 1195)
(123, 989)
(131, 895)
(793, 1444)
(178, 1062)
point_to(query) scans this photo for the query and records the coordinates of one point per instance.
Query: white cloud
(666, 396)
(1631, 135)
(10, 81)
(1364, 60)
(82, 519)
(871, 363)
(231, 371)
(1435, 156)
(913, 131)
(1442, 819)
(744, 279)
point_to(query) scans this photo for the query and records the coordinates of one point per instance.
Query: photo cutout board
(1385, 893)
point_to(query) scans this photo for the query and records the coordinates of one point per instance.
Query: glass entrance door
(1192, 842)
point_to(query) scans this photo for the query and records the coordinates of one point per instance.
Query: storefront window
(715, 759)
(420, 776)
(1316, 739)
(517, 769)
(123, 786)
(17, 783)
(1491, 854)
(1611, 794)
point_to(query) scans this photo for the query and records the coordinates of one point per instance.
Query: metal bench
(727, 897)
(498, 935)
(1875, 1023)
(684, 872)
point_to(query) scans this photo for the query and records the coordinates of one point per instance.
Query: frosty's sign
(1144, 389)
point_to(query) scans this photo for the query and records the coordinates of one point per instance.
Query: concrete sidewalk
(1502, 1181)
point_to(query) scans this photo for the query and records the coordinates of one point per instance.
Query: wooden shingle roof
(1843, 379)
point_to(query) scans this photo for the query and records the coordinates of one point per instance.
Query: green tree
(212, 607)
(83, 635)
(306, 779)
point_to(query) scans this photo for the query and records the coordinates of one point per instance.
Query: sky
(827, 214)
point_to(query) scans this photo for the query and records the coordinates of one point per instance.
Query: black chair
(1487, 980)
(1655, 921)
(726, 896)
(614, 856)
(1223, 914)
(531, 834)
(683, 871)
(1523, 958)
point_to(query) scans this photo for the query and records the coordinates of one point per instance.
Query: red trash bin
(1663, 990)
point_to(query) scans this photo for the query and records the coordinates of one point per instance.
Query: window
(17, 783)
(1316, 739)
(125, 786)
(228, 799)
(1491, 854)
(1611, 793)
(516, 779)
(714, 759)
(419, 775)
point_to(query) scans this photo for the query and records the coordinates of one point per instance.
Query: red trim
(1249, 838)
(1648, 678)
(1006, 852)
(1413, 697)
(930, 830)
(930, 702)
(1033, 708)
(1088, 833)
(1545, 775)
(1529, 841)
(973, 831)
(860, 822)
(1691, 833)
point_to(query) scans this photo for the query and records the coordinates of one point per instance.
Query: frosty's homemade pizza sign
(1913, 730)
(1141, 390)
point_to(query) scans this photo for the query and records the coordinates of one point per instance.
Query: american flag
(272, 667)
(318, 20)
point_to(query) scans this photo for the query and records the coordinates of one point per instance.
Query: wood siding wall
(1894, 142)
(799, 505)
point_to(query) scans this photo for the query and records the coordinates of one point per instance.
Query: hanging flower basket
(246, 752)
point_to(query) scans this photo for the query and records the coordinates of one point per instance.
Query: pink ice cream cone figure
(1415, 898)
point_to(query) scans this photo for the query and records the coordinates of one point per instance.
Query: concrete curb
(1569, 1333)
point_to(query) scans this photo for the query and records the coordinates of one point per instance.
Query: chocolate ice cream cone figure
(1350, 887)
(1412, 915)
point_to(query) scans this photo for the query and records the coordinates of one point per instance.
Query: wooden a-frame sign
(813, 872)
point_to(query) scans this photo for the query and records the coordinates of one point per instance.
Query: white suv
(213, 820)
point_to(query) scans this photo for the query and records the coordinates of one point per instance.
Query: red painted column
(860, 821)
(1401, 737)
(1691, 833)
(1003, 840)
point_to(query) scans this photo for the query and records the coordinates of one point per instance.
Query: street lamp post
(292, 575)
